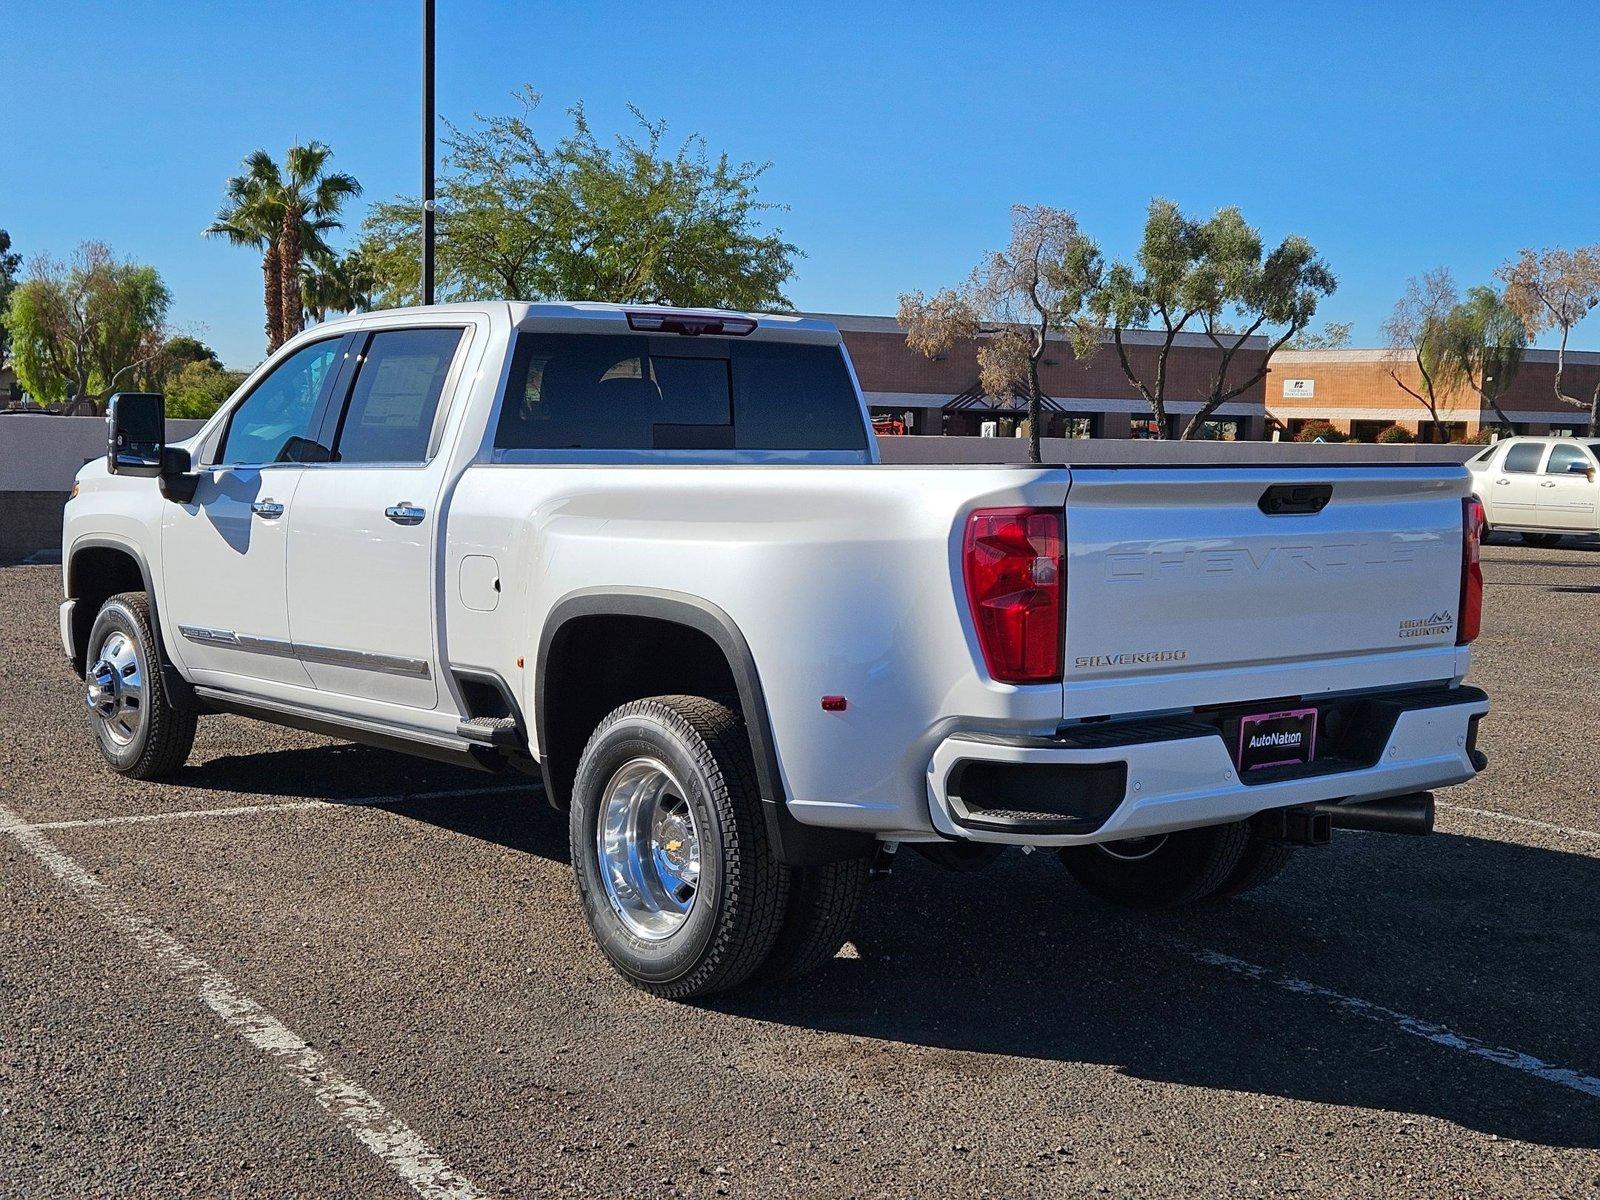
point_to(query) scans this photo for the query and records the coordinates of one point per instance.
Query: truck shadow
(1495, 941)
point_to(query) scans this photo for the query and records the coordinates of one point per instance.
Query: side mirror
(1578, 468)
(136, 425)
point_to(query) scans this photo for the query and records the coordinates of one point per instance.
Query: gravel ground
(994, 1034)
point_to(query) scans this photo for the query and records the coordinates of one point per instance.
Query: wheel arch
(571, 696)
(97, 568)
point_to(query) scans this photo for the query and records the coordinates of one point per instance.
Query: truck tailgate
(1182, 591)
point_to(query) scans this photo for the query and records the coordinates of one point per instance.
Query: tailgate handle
(1295, 499)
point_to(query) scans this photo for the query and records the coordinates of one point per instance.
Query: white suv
(1540, 487)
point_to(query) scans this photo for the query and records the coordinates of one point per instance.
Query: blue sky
(1395, 138)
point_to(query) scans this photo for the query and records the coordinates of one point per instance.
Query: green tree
(1335, 335)
(1012, 303)
(1485, 339)
(1216, 278)
(583, 219)
(283, 212)
(81, 329)
(198, 388)
(10, 264)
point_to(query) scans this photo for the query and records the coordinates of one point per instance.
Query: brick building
(1355, 390)
(1091, 398)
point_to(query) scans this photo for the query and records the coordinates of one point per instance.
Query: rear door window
(389, 417)
(1523, 458)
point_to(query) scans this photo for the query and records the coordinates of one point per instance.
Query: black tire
(1260, 863)
(160, 737)
(1165, 871)
(1542, 541)
(738, 903)
(818, 918)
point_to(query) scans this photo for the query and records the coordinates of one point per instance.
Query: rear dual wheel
(677, 877)
(1170, 870)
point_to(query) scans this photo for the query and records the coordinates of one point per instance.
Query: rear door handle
(1501, 482)
(405, 513)
(267, 510)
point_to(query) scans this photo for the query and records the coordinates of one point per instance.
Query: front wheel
(678, 882)
(140, 731)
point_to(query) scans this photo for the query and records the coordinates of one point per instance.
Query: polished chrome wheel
(649, 846)
(116, 688)
(1133, 849)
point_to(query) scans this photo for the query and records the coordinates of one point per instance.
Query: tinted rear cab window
(631, 392)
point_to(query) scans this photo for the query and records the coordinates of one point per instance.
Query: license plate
(1277, 739)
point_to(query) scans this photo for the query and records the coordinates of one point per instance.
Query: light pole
(427, 151)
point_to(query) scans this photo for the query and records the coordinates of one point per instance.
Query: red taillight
(1470, 610)
(1012, 561)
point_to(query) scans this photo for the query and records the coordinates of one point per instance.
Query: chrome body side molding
(392, 664)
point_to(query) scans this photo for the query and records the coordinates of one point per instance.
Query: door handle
(1547, 483)
(268, 510)
(1501, 482)
(405, 513)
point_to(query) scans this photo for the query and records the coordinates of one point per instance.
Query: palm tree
(252, 216)
(311, 202)
(283, 213)
(336, 284)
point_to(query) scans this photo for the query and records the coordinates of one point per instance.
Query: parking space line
(243, 810)
(1493, 815)
(400, 1148)
(1440, 1035)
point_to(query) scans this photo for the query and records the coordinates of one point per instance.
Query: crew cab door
(1512, 494)
(361, 543)
(1566, 498)
(223, 553)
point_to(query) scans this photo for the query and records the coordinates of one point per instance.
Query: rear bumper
(1108, 782)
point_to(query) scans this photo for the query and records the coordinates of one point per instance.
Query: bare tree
(1555, 289)
(1012, 302)
(1419, 333)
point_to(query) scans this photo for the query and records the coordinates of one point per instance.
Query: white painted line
(1589, 1085)
(244, 810)
(1493, 815)
(139, 818)
(400, 1148)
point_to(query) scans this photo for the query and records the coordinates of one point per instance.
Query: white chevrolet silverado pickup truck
(652, 556)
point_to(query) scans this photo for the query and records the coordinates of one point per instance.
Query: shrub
(1396, 433)
(1482, 438)
(1320, 429)
(198, 389)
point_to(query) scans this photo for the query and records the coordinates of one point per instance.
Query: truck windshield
(632, 392)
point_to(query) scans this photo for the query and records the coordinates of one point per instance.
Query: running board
(418, 742)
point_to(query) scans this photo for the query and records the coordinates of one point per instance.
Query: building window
(1072, 425)
(1144, 427)
(1227, 429)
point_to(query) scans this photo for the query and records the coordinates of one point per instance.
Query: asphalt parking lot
(311, 969)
